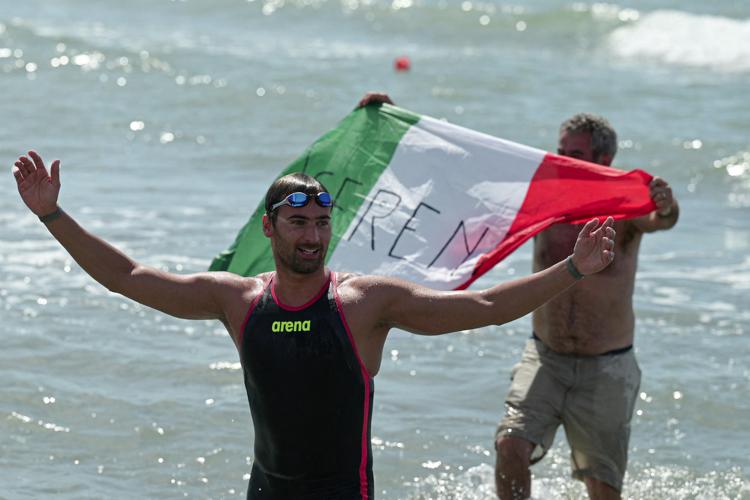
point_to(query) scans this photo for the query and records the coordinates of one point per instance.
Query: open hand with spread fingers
(594, 248)
(38, 188)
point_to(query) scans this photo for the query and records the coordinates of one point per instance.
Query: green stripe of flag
(348, 160)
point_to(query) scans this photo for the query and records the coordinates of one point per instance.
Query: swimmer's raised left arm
(422, 310)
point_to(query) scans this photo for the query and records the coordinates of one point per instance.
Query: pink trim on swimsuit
(366, 377)
(250, 310)
(303, 306)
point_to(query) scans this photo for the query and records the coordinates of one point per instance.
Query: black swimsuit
(311, 401)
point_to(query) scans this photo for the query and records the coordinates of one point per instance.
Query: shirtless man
(579, 369)
(310, 339)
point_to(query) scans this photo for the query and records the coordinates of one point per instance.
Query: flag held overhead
(436, 203)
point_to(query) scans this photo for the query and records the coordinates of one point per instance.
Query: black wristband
(572, 269)
(51, 216)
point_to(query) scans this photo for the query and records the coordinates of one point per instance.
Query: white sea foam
(477, 483)
(675, 37)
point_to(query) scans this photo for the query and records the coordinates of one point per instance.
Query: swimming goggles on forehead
(299, 199)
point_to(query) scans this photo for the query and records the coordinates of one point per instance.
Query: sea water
(172, 117)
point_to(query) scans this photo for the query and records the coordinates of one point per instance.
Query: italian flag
(438, 204)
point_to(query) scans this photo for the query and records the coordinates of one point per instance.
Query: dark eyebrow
(304, 218)
(297, 217)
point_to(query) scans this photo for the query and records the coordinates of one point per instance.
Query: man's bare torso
(596, 315)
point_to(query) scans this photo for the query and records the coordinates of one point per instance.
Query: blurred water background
(172, 117)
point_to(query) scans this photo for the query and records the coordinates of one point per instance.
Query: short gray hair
(603, 136)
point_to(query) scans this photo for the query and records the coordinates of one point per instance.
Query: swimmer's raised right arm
(196, 296)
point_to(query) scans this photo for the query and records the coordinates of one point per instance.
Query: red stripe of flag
(566, 190)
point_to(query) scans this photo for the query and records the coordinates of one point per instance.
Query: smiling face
(299, 237)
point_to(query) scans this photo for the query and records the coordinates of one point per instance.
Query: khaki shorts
(591, 396)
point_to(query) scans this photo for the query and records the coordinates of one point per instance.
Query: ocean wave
(249, 30)
(682, 38)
